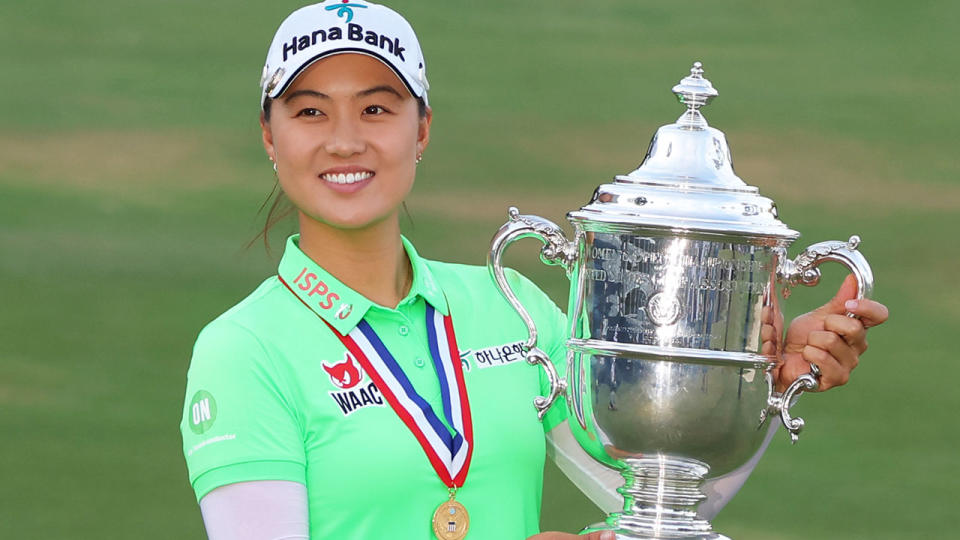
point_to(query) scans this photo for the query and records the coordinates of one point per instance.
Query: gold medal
(451, 521)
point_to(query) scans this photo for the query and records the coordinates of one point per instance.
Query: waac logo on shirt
(346, 374)
(353, 396)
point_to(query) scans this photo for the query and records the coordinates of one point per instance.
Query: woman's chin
(352, 222)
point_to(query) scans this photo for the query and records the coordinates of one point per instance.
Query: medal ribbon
(449, 455)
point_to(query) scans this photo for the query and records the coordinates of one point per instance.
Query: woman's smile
(347, 179)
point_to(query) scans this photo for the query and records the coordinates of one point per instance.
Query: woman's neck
(371, 260)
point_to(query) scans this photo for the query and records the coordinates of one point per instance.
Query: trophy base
(661, 495)
(625, 535)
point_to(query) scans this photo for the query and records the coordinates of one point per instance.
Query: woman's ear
(423, 132)
(267, 138)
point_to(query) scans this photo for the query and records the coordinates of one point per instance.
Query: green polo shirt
(272, 396)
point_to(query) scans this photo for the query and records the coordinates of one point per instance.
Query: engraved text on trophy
(677, 292)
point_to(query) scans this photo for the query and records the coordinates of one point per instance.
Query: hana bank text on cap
(343, 26)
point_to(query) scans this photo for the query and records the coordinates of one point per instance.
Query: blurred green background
(131, 174)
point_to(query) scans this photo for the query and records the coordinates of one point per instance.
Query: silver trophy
(673, 320)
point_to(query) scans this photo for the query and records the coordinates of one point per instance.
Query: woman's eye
(310, 112)
(374, 109)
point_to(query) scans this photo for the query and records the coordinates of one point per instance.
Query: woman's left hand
(828, 338)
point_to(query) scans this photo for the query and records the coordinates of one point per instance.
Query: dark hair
(280, 207)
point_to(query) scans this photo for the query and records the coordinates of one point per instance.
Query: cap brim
(289, 80)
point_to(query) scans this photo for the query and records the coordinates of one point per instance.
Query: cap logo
(352, 32)
(344, 10)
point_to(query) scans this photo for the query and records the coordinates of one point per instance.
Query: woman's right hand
(599, 535)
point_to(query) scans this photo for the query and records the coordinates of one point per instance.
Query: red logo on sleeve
(345, 374)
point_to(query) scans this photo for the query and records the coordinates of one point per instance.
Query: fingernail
(851, 305)
(608, 535)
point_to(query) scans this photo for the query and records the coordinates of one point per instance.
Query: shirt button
(403, 330)
(419, 362)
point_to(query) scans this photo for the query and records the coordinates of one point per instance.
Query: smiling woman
(353, 394)
(343, 401)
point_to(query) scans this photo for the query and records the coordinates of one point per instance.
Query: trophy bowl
(674, 322)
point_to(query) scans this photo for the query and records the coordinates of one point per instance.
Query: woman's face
(345, 137)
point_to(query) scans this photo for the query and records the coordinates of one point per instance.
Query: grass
(131, 173)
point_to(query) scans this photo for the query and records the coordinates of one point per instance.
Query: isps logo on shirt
(354, 393)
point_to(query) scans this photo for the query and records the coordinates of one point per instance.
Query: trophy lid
(686, 180)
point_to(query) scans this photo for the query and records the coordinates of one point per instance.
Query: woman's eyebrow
(305, 92)
(362, 93)
(381, 88)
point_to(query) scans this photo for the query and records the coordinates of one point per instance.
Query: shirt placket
(403, 332)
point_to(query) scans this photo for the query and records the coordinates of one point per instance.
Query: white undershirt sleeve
(599, 483)
(260, 510)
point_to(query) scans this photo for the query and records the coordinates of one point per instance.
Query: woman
(333, 401)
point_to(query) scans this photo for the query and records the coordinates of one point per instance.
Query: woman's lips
(347, 181)
(346, 178)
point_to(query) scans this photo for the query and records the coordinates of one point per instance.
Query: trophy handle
(780, 403)
(557, 250)
(803, 271)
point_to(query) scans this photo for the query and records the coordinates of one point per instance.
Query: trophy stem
(661, 495)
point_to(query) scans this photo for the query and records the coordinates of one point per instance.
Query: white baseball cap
(343, 26)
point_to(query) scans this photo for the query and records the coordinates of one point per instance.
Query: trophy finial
(694, 91)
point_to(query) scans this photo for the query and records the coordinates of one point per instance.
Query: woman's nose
(345, 138)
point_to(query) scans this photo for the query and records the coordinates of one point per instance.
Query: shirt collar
(340, 305)
(425, 284)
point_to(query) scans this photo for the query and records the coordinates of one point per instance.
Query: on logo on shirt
(202, 412)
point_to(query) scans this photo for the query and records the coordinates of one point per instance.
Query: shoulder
(241, 331)
(474, 284)
(240, 355)
(478, 278)
(256, 314)
(257, 305)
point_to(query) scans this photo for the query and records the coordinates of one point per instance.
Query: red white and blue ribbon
(448, 453)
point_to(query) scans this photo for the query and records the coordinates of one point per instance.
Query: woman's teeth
(347, 178)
